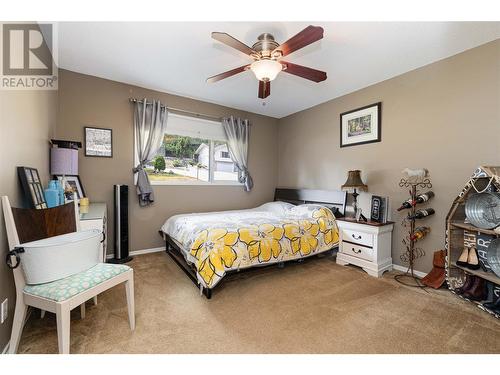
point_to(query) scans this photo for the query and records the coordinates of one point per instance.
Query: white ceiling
(177, 57)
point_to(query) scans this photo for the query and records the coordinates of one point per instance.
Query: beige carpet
(313, 307)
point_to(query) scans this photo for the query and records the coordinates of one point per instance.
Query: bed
(299, 223)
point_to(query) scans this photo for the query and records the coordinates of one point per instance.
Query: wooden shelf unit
(455, 227)
(490, 276)
(472, 228)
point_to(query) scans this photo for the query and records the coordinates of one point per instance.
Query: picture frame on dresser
(379, 209)
(32, 187)
(73, 184)
(361, 125)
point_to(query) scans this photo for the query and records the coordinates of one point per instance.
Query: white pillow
(302, 209)
(277, 208)
(305, 210)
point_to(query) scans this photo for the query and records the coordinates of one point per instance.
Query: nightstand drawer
(357, 237)
(357, 251)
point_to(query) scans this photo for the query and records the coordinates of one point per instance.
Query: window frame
(211, 167)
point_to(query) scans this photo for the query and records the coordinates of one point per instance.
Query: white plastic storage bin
(57, 257)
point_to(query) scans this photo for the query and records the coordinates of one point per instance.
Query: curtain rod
(194, 114)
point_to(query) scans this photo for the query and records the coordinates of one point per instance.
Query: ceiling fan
(267, 54)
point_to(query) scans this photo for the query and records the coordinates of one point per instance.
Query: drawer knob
(358, 251)
(356, 237)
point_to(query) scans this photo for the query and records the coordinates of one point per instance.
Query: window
(194, 151)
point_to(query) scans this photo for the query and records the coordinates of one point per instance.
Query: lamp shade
(354, 181)
(63, 161)
(266, 70)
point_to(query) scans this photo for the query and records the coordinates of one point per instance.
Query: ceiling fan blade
(227, 74)
(264, 89)
(304, 71)
(307, 36)
(232, 42)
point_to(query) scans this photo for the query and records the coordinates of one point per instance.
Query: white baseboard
(147, 251)
(6, 349)
(140, 252)
(420, 274)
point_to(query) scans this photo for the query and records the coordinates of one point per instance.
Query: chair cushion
(63, 289)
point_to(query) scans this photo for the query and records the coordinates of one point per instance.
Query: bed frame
(295, 196)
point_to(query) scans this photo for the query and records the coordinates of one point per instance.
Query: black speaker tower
(121, 225)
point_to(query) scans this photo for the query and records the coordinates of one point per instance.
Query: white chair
(58, 296)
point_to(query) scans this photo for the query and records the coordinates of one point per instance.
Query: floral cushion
(63, 289)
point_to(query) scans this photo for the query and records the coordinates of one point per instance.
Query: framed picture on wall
(98, 142)
(32, 187)
(362, 125)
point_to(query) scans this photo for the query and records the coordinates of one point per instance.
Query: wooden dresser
(367, 245)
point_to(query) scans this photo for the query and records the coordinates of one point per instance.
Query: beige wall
(86, 100)
(27, 122)
(444, 117)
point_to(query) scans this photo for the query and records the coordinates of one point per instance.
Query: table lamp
(63, 162)
(354, 183)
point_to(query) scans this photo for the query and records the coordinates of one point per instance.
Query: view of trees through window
(183, 158)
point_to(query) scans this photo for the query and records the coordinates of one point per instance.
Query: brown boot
(435, 278)
(478, 291)
(439, 259)
(469, 281)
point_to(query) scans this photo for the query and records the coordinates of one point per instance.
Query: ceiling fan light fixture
(266, 69)
(266, 52)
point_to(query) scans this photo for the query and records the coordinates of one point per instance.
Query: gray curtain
(237, 133)
(149, 124)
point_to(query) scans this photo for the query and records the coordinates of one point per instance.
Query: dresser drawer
(100, 225)
(360, 238)
(357, 251)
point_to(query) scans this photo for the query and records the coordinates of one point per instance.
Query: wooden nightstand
(367, 245)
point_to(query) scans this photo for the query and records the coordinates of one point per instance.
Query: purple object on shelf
(63, 161)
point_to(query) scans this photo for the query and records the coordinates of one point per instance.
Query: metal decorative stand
(412, 252)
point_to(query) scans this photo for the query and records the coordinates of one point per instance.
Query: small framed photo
(98, 142)
(379, 209)
(72, 185)
(362, 125)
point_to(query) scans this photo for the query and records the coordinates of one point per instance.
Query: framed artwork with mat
(98, 142)
(362, 125)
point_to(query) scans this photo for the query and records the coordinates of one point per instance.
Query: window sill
(195, 183)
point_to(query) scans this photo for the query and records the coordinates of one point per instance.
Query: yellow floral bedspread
(304, 232)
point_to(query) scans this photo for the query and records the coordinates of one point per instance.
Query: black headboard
(331, 198)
